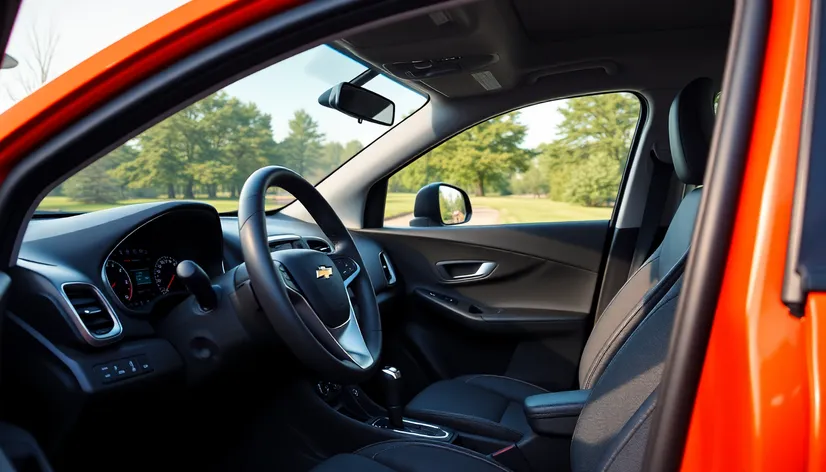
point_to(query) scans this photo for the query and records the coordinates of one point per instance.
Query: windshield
(206, 151)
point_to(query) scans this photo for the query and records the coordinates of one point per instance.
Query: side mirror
(440, 204)
(360, 103)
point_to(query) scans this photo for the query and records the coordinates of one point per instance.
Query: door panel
(527, 317)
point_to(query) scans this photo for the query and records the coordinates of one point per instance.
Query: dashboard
(98, 291)
(141, 270)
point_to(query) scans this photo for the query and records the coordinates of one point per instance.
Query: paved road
(481, 216)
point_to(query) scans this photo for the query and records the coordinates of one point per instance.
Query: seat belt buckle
(512, 458)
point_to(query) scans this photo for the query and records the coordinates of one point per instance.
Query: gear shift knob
(392, 378)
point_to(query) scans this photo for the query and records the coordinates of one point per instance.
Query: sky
(84, 27)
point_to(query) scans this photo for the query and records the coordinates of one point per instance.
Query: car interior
(318, 337)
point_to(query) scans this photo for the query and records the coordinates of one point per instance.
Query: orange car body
(759, 402)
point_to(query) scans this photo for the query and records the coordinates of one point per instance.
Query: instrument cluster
(138, 277)
(141, 269)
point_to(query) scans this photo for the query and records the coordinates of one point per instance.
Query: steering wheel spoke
(345, 340)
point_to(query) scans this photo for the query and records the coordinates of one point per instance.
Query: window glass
(206, 151)
(556, 161)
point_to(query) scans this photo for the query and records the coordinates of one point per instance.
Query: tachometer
(119, 280)
(165, 274)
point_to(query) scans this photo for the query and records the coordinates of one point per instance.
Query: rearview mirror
(359, 103)
(440, 204)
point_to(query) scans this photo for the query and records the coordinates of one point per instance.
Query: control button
(119, 370)
(104, 373)
(346, 267)
(132, 366)
(144, 365)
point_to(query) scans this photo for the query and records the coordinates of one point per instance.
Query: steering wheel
(305, 293)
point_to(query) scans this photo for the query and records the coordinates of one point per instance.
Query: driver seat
(612, 430)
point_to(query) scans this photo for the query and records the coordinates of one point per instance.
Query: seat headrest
(690, 124)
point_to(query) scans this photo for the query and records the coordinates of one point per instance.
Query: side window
(555, 161)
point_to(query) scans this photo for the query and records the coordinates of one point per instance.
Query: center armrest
(555, 414)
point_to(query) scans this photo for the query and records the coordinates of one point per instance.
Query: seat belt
(652, 213)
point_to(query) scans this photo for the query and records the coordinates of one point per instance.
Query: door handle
(465, 271)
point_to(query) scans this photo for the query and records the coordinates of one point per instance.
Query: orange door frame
(752, 410)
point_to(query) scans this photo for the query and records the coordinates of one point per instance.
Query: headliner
(528, 42)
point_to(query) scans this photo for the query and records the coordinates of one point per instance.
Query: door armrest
(555, 414)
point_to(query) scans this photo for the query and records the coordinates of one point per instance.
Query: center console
(552, 418)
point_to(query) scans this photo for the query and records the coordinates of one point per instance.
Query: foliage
(302, 149)
(93, 185)
(582, 165)
(533, 181)
(212, 146)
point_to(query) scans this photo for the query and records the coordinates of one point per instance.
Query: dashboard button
(143, 364)
(119, 370)
(104, 373)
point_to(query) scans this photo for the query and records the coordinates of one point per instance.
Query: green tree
(485, 156)
(595, 181)
(533, 181)
(601, 124)
(302, 147)
(424, 170)
(352, 148)
(93, 185)
(234, 139)
(584, 165)
(334, 155)
(162, 159)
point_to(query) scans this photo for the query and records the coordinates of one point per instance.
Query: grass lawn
(68, 205)
(521, 209)
(399, 204)
(512, 209)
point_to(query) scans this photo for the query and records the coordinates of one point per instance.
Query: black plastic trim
(612, 223)
(712, 236)
(805, 258)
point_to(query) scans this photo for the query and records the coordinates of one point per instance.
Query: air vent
(389, 273)
(93, 316)
(319, 245)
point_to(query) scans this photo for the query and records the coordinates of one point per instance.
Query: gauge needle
(170, 281)
(113, 284)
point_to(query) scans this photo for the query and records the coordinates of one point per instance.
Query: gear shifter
(392, 378)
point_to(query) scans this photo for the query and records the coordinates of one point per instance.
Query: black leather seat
(491, 406)
(611, 432)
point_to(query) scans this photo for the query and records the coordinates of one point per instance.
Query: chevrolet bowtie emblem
(323, 272)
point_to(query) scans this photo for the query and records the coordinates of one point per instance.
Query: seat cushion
(410, 456)
(486, 405)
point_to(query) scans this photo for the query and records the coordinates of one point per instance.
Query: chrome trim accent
(383, 256)
(392, 372)
(485, 269)
(444, 434)
(280, 238)
(93, 339)
(316, 238)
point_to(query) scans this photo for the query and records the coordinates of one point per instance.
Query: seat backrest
(612, 430)
(691, 120)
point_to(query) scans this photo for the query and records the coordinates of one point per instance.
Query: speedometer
(119, 280)
(165, 274)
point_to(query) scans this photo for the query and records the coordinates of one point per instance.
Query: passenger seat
(491, 405)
